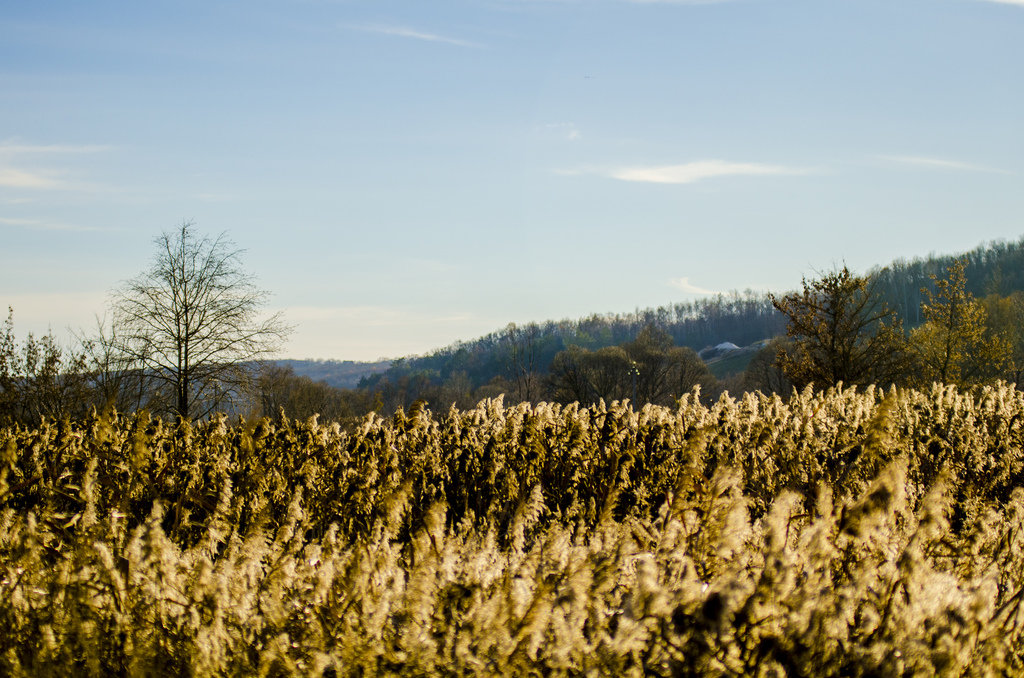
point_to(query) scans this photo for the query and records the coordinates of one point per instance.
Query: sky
(405, 174)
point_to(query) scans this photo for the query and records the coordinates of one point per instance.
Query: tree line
(188, 337)
(743, 318)
(841, 330)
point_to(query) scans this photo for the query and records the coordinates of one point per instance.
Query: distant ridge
(725, 329)
(337, 373)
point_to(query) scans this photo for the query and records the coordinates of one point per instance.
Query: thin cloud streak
(690, 172)
(677, 2)
(373, 316)
(216, 197)
(37, 225)
(374, 332)
(567, 131)
(415, 34)
(11, 148)
(15, 178)
(12, 177)
(687, 287)
(630, 2)
(1018, 3)
(39, 179)
(942, 163)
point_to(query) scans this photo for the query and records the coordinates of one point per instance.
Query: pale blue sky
(404, 174)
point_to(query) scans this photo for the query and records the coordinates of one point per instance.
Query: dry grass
(841, 533)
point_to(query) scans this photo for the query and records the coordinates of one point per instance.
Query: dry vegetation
(844, 533)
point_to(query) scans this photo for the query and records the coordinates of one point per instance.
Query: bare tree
(523, 345)
(279, 390)
(116, 380)
(648, 369)
(193, 322)
(763, 372)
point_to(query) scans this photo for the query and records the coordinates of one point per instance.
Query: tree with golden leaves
(953, 346)
(1005, 319)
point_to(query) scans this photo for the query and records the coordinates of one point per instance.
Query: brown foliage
(841, 533)
(841, 334)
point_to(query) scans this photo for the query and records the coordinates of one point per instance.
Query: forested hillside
(740, 318)
(995, 268)
(502, 358)
(335, 373)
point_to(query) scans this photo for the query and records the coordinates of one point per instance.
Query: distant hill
(740, 318)
(726, 330)
(727, 358)
(337, 373)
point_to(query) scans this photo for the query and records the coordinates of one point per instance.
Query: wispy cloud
(413, 33)
(368, 315)
(1019, 3)
(376, 316)
(17, 222)
(215, 197)
(631, 2)
(941, 163)
(14, 173)
(15, 148)
(41, 180)
(11, 177)
(369, 332)
(677, 2)
(686, 286)
(564, 130)
(690, 172)
(38, 225)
